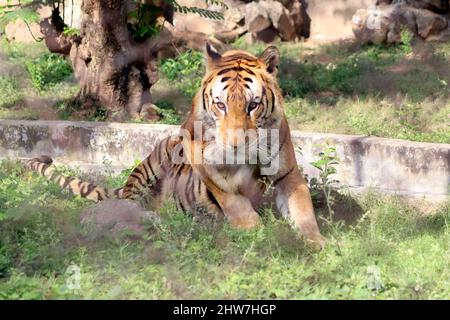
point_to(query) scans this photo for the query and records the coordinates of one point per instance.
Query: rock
(149, 112)
(438, 6)
(233, 15)
(280, 18)
(256, 17)
(18, 31)
(384, 23)
(44, 11)
(429, 23)
(264, 19)
(267, 35)
(370, 26)
(300, 18)
(116, 216)
(229, 36)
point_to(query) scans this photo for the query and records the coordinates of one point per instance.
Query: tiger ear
(212, 56)
(271, 57)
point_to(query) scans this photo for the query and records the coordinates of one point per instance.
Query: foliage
(10, 93)
(185, 71)
(325, 184)
(47, 70)
(406, 38)
(144, 20)
(24, 14)
(167, 112)
(71, 31)
(66, 109)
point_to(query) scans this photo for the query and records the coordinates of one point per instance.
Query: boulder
(384, 22)
(263, 20)
(280, 19)
(430, 23)
(370, 26)
(300, 18)
(256, 17)
(117, 216)
(438, 6)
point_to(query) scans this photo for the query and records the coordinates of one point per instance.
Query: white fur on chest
(231, 178)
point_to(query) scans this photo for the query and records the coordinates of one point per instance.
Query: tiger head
(239, 94)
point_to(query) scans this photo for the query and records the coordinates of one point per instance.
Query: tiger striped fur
(239, 93)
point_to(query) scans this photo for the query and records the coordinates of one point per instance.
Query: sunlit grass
(40, 236)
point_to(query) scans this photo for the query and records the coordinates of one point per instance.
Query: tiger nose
(235, 137)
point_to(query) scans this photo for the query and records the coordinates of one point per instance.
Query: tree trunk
(113, 70)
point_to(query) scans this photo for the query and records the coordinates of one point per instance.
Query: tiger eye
(252, 106)
(221, 105)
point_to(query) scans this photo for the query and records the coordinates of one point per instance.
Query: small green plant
(186, 64)
(406, 37)
(325, 183)
(167, 112)
(10, 92)
(71, 31)
(185, 71)
(48, 70)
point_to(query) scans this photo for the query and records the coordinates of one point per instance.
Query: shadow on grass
(350, 70)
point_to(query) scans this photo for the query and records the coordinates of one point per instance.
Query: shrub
(48, 70)
(167, 112)
(406, 38)
(185, 71)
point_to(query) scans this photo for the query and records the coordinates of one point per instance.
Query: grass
(10, 92)
(41, 236)
(48, 70)
(388, 91)
(35, 82)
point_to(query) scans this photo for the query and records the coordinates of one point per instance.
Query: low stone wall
(387, 165)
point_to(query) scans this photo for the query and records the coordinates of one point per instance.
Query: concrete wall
(388, 165)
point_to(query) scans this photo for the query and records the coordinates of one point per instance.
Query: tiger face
(239, 95)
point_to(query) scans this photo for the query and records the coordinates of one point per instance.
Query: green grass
(10, 92)
(426, 121)
(41, 236)
(34, 73)
(387, 91)
(48, 70)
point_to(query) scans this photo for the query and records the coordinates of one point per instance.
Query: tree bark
(113, 69)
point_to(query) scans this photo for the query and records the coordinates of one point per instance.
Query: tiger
(239, 94)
